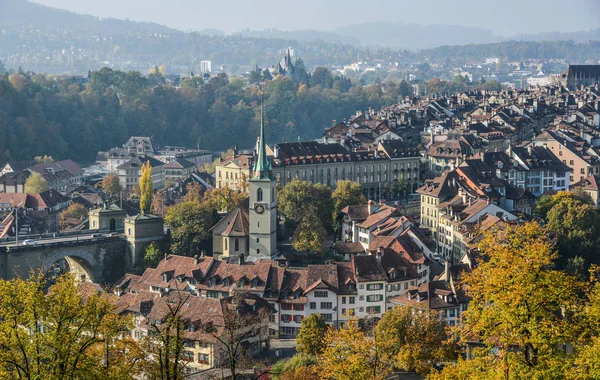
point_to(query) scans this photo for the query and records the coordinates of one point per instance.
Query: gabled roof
(588, 183)
(368, 268)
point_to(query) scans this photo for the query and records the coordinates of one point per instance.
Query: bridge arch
(80, 261)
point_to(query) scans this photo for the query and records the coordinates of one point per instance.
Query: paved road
(53, 240)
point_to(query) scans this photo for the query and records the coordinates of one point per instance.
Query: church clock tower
(263, 203)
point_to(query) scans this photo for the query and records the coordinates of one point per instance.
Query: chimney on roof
(333, 122)
(446, 276)
(530, 150)
(203, 253)
(371, 206)
(379, 253)
(166, 256)
(463, 195)
(196, 260)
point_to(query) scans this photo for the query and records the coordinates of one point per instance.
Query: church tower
(263, 203)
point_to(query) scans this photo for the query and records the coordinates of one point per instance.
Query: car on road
(114, 234)
(97, 235)
(29, 242)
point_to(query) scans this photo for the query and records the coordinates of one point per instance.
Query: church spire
(262, 168)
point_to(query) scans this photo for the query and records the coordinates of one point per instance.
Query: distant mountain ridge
(15, 13)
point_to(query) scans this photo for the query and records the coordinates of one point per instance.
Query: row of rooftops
(266, 277)
(45, 200)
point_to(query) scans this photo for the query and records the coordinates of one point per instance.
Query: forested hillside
(64, 118)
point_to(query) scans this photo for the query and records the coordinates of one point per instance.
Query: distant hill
(16, 13)
(415, 36)
(579, 36)
(301, 35)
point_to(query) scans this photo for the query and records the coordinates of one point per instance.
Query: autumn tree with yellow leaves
(522, 311)
(146, 188)
(352, 353)
(414, 340)
(63, 331)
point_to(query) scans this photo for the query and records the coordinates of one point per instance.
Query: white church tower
(263, 203)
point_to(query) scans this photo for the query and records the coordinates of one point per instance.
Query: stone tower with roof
(263, 206)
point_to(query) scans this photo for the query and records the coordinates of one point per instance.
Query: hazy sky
(503, 17)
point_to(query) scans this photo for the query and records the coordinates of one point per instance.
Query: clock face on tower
(259, 208)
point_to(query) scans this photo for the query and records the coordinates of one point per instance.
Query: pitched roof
(356, 212)
(368, 268)
(180, 163)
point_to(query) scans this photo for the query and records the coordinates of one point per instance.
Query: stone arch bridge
(102, 259)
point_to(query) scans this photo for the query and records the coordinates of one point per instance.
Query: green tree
(111, 185)
(405, 89)
(286, 368)
(350, 353)
(74, 211)
(146, 188)
(309, 233)
(345, 194)
(266, 75)
(576, 225)
(35, 184)
(190, 223)
(152, 256)
(255, 76)
(224, 199)
(414, 340)
(61, 331)
(587, 362)
(521, 309)
(293, 198)
(311, 336)
(321, 77)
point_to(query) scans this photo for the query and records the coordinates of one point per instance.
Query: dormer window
(211, 282)
(254, 283)
(225, 282)
(394, 275)
(165, 277)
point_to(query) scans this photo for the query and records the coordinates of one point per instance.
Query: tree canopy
(64, 332)
(64, 118)
(521, 309)
(146, 188)
(35, 184)
(310, 339)
(111, 185)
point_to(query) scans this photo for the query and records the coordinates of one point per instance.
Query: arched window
(259, 195)
(225, 243)
(237, 245)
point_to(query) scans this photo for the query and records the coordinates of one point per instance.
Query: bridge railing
(54, 235)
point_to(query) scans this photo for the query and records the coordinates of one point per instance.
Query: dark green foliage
(63, 118)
